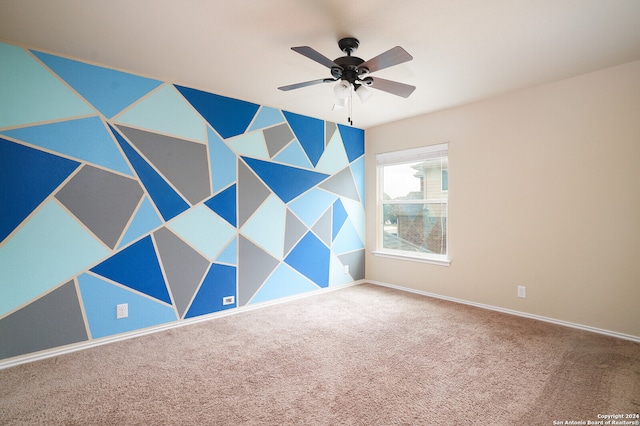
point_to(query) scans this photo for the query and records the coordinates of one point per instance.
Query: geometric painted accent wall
(117, 188)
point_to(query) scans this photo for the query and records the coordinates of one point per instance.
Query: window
(413, 204)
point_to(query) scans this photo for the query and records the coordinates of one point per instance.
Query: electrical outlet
(122, 310)
(228, 300)
(522, 291)
(346, 269)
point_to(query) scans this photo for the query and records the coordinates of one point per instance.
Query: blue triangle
(294, 156)
(220, 282)
(353, 140)
(229, 255)
(310, 133)
(311, 258)
(347, 239)
(339, 216)
(222, 161)
(86, 139)
(357, 171)
(100, 298)
(266, 117)
(283, 282)
(229, 117)
(136, 267)
(145, 220)
(108, 90)
(28, 176)
(169, 202)
(287, 182)
(224, 204)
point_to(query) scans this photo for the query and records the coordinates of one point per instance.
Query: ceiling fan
(352, 72)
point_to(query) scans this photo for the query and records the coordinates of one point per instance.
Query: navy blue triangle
(287, 182)
(136, 267)
(224, 204)
(168, 201)
(219, 283)
(339, 217)
(230, 117)
(353, 140)
(310, 257)
(27, 177)
(310, 134)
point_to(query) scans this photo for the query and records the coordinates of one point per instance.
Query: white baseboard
(49, 353)
(512, 312)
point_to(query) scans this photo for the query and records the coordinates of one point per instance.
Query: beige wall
(544, 192)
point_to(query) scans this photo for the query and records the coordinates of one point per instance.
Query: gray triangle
(329, 129)
(183, 163)
(254, 267)
(293, 231)
(53, 320)
(342, 184)
(277, 138)
(355, 260)
(103, 201)
(251, 193)
(183, 266)
(322, 228)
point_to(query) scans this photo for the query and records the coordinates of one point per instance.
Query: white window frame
(404, 157)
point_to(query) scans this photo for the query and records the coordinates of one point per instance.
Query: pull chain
(350, 107)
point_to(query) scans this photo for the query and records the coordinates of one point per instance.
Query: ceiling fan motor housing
(347, 68)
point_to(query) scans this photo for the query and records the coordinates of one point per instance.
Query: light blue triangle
(100, 299)
(294, 155)
(108, 90)
(336, 272)
(334, 158)
(222, 161)
(166, 111)
(357, 170)
(50, 248)
(230, 254)
(266, 227)
(30, 93)
(145, 221)
(284, 282)
(355, 211)
(204, 229)
(85, 139)
(347, 239)
(266, 117)
(310, 206)
(250, 144)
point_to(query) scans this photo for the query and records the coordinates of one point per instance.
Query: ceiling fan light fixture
(342, 89)
(363, 93)
(340, 103)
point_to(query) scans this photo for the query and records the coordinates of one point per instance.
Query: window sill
(413, 257)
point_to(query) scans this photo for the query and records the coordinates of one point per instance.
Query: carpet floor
(362, 355)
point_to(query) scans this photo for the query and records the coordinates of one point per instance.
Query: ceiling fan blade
(314, 55)
(393, 87)
(391, 57)
(306, 83)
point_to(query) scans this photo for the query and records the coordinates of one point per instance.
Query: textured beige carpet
(363, 355)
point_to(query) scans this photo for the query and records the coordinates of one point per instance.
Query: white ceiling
(464, 50)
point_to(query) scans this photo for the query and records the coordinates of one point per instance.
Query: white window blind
(412, 155)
